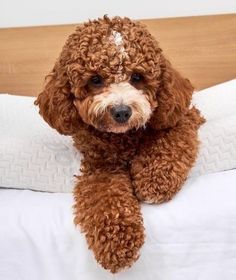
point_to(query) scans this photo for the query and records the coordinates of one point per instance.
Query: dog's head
(112, 75)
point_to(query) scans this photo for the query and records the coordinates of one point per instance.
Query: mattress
(191, 237)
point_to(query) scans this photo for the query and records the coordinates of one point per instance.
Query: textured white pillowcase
(34, 156)
(218, 135)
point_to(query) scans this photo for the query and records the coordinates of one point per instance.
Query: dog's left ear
(56, 103)
(173, 97)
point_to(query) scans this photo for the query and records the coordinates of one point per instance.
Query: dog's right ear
(174, 97)
(56, 103)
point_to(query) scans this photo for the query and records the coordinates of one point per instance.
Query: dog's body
(129, 113)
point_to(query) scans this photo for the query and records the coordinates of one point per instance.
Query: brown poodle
(129, 113)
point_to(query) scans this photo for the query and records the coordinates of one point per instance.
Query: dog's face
(111, 80)
(111, 75)
(116, 107)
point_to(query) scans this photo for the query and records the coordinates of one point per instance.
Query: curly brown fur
(110, 216)
(164, 160)
(144, 153)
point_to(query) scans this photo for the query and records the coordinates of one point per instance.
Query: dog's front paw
(110, 216)
(156, 183)
(117, 243)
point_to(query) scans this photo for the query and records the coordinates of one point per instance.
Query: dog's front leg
(109, 214)
(164, 160)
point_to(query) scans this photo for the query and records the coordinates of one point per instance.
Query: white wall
(44, 12)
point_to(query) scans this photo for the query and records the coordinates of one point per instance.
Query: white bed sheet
(192, 237)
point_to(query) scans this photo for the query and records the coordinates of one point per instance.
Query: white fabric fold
(191, 237)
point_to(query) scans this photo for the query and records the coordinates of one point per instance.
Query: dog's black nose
(121, 113)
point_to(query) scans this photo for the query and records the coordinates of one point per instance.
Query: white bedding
(192, 237)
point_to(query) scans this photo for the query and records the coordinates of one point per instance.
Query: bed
(191, 237)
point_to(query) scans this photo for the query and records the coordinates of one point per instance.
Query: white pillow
(34, 156)
(218, 135)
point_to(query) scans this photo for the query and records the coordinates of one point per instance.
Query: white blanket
(192, 237)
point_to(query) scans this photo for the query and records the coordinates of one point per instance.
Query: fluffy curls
(128, 111)
(110, 216)
(56, 104)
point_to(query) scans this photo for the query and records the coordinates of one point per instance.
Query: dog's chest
(108, 147)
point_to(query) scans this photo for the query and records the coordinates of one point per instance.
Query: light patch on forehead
(117, 39)
(116, 36)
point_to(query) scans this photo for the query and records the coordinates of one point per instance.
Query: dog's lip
(122, 128)
(119, 129)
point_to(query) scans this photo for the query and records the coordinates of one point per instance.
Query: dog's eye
(96, 81)
(136, 78)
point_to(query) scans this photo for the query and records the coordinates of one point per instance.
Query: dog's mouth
(119, 119)
(118, 129)
(112, 126)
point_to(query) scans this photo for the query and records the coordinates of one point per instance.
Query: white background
(43, 12)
